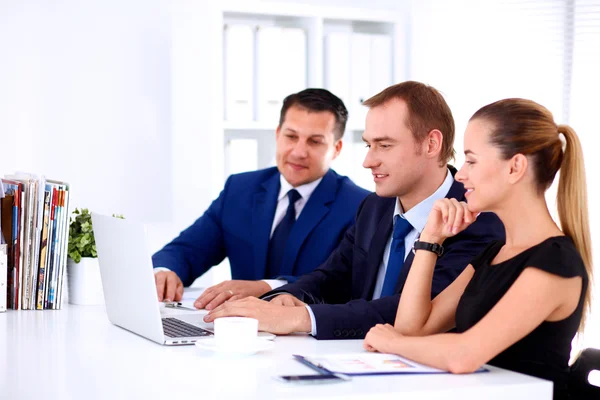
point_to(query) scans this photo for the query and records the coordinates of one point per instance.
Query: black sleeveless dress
(545, 352)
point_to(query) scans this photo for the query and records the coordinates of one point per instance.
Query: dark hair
(318, 100)
(522, 126)
(427, 110)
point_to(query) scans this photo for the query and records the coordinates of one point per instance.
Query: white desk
(75, 353)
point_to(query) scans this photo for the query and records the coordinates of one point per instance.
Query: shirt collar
(417, 216)
(305, 190)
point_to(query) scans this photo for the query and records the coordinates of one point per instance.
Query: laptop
(129, 288)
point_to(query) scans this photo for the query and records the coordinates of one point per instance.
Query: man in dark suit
(273, 224)
(410, 134)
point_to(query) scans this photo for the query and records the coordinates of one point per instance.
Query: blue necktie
(396, 260)
(280, 235)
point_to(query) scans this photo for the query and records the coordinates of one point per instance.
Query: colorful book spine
(12, 274)
(3, 275)
(7, 233)
(14, 189)
(56, 255)
(52, 253)
(39, 304)
(22, 248)
(38, 213)
(4, 203)
(28, 225)
(64, 244)
(16, 249)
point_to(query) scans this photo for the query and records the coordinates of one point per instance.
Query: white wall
(85, 98)
(90, 93)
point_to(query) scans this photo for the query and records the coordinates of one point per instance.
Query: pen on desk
(174, 304)
(317, 366)
(313, 362)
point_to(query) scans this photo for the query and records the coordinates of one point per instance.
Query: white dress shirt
(283, 201)
(417, 216)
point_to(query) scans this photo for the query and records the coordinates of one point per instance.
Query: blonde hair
(525, 127)
(571, 199)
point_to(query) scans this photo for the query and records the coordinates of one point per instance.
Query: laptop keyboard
(174, 328)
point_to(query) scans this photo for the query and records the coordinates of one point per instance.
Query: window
(583, 112)
(545, 50)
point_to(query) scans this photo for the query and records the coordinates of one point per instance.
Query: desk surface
(76, 353)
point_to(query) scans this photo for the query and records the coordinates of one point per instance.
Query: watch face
(413, 246)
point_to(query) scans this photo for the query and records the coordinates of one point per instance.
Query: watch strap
(433, 247)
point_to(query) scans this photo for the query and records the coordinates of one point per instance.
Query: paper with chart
(368, 364)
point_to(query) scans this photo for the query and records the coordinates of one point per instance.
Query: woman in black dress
(519, 304)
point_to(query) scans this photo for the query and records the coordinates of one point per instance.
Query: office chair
(579, 386)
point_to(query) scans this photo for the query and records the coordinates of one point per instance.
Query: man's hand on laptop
(272, 318)
(287, 300)
(230, 290)
(168, 286)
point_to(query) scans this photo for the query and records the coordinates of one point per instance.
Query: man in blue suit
(410, 134)
(273, 224)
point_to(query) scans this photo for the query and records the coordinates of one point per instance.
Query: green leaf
(75, 256)
(86, 227)
(81, 235)
(85, 239)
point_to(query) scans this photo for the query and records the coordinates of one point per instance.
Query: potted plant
(83, 271)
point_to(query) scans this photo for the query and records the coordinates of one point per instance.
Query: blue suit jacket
(340, 289)
(238, 225)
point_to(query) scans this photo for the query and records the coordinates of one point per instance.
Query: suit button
(337, 333)
(344, 332)
(353, 333)
(360, 332)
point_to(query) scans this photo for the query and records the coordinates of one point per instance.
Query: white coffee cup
(235, 333)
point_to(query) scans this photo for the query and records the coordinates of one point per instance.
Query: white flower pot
(85, 285)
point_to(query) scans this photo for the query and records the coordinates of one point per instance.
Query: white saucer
(259, 344)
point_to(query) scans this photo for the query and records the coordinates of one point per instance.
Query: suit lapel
(377, 249)
(457, 191)
(313, 212)
(263, 212)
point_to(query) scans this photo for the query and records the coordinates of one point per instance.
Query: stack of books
(35, 231)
